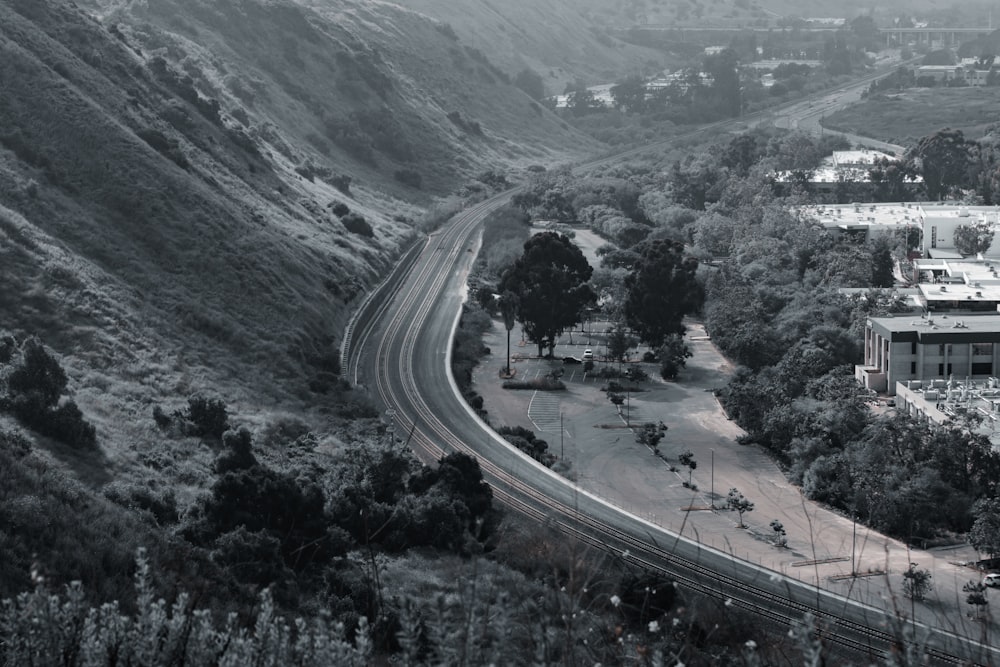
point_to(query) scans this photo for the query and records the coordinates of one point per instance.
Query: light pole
(713, 478)
(854, 539)
(390, 430)
(562, 432)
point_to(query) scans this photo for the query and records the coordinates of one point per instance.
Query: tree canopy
(661, 291)
(944, 161)
(550, 283)
(974, 238)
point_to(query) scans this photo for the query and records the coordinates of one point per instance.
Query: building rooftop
(930, 328)
(941, 400)
(849, 215)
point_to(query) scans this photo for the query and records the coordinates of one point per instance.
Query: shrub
(238, 454)
(342, 183)
(339, 208)
(38, 378)
(468, 126)
(161, 506)
(162, 419)
(356, 224)
(34, 388)
(207, 417)
(66, 424)
(168, 148)
(546, 383)
(525, 440)
(409, 177)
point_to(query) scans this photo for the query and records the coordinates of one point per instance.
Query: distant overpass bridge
(947, 36)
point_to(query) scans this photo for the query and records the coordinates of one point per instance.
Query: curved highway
(399, 350)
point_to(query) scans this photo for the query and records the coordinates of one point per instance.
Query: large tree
(974, 238)
(944, 160)
(661, 290)
(985, 533)
(550, 283)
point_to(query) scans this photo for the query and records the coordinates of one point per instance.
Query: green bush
(356, 224)
(409, 177)
(33, 391)
(207, 417)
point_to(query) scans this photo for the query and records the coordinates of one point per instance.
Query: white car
(588, 355)
(991, 580)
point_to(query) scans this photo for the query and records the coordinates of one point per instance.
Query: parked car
(588, 354)
(572, 360)
(992, 580)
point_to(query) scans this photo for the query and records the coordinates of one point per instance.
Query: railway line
(399, 351)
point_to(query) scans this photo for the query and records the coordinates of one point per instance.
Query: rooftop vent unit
(944, 288)
(979, 294)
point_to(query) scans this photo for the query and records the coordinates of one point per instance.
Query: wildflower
(654, 626)
(615, 600)
(751, 644)
(676, 622)
(729, 602)
(626, 554)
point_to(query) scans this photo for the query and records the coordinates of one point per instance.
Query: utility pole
(627, 413)
(854, 540)
(713, 478)
(562, 432)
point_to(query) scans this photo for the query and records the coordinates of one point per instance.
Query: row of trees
(547, 290)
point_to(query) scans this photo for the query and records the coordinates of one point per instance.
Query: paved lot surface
(607, 461)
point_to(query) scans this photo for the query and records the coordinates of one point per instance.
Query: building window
(982, 349)
(984, 368)
(940, 370)
(913, 368)
(941, 349)
(913, 347)
(934, 236)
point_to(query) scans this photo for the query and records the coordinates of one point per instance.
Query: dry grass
(903, 118)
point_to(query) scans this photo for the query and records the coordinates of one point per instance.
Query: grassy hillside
(194, 195)
(168, 172)
(903, 118)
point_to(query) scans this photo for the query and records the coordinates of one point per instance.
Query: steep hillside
(561, 40)
(168, 173)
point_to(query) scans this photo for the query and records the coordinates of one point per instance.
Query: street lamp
(390, 430)
(712, 496)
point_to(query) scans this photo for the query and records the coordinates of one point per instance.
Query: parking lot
(581, 425)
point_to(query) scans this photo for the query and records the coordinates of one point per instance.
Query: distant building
(824, 22)
(941, 221)
(903, 349)
(865, 220)
(773, 64)
(969, 71)
(844, 167)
